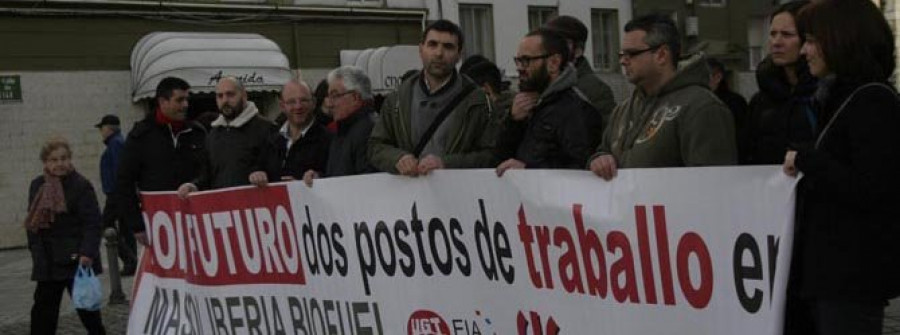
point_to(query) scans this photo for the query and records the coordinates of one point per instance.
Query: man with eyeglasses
(235, 141)
(437, 118)
(672, 119)
(301, 144)
(549, 126)
(350, 103)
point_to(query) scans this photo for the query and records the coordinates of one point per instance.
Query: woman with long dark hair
(63, 227)
(781, 113)
(846, 263)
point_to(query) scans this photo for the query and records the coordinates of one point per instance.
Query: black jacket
(561, 133)
(155, 160)
(847, 244)
(347, 154)
(235, 150)
(780, 116)
(310, 152)
(55, 251)
(738, 107)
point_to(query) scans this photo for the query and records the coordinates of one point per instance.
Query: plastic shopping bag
(86, 291)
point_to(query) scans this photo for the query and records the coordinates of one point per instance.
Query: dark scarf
(49, 201)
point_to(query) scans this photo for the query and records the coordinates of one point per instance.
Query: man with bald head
(235, 141)
(301, 144)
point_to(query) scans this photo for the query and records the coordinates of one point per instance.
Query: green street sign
(10, 89)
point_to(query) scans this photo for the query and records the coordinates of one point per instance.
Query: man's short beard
(234, 111)
(538, 82)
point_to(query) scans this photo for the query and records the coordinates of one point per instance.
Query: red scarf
(49, 201)
(162, 119)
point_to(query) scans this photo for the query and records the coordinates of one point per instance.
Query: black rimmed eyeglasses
(634, 53)
(524, 61)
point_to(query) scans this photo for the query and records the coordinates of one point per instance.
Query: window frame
(482, 43)
(541, 12)
(600, 20)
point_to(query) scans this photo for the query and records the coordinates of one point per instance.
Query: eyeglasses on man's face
(628, 54)
(524, 61)
(300, 102)
(335, 95)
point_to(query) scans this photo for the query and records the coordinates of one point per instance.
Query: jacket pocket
(65, 251)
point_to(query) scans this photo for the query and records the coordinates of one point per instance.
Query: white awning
(202, 59)
(384, 65)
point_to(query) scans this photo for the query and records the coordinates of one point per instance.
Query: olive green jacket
(595, 91)
(684, 124)
(472, 130)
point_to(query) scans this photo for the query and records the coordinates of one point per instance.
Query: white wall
(511, 20)
(67, 104)
(55, 103)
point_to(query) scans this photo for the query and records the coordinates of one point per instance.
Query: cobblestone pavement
(16, 290)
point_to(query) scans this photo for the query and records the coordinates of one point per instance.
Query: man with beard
(300, 145)
(597, 93)
(412, 137)
(235, 142)
(672, 118)
(549, 126)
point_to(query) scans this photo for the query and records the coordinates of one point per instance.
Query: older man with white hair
(349, 101)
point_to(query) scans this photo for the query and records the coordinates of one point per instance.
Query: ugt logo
(535, 321)
(425, 322)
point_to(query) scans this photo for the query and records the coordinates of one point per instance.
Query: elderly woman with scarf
(63, 227)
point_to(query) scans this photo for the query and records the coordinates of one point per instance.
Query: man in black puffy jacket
(549, 126)
(161, 152)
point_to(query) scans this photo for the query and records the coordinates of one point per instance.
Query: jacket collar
(447, 85)
(344, 125)
(773, 82)
(566, 79)
(246, 115)
(117, 133)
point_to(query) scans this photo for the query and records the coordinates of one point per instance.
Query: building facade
(66, 63)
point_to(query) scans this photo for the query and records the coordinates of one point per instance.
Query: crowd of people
(825, 108)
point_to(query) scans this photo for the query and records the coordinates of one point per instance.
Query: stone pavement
(16, 290)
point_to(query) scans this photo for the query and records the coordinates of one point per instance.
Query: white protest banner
(655, 251)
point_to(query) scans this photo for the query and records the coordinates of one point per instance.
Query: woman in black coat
(781, 113)
(846, 263)
(63, 227)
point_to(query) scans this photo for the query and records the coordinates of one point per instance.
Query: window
(477, 24)
(711, 3)
(605, 39)
(537, 16)
(757, 36)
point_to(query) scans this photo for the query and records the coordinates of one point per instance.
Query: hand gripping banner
(655, 251)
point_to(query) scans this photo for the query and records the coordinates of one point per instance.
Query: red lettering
(640, 215)
(569, 269)
(590, 245)
(526, 238)
(691, 243)
(662, 249)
